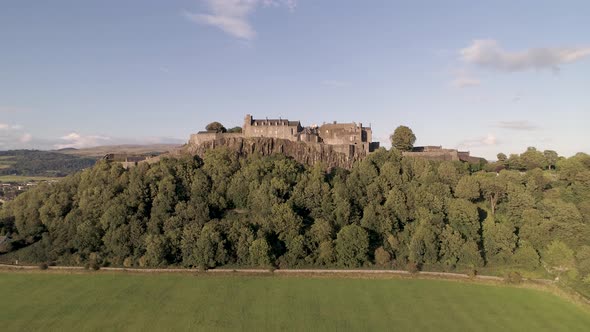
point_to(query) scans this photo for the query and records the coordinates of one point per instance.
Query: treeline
(528, 160)
(388, 211)
(41, 163)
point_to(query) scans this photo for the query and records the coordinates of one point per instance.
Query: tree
(493, 188)
(425, 244)
(533, 159)
(558, 256)
(501, 157)
(468, 188)
(260, 253)
(451, 244)
(464, 218)
(352, 246)
(403, 138)
(551, 157)
(583, 260)
(526, 256)
(382, 257)
(236, 130)
(216, 127)
(499, 242)
(470, 255)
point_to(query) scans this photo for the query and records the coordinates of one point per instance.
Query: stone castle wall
(200, 138)
(438, 155)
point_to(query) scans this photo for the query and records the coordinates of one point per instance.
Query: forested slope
(41, 163)
(387, 211)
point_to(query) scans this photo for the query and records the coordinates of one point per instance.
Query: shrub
(43, 266)
(472, 273)
(412, 267)
(128, 262)
(513, 277)
(382, 257)
(94, 266)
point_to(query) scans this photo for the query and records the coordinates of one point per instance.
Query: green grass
(18, 178)
(125, 302)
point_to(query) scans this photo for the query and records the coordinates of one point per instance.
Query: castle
(347, 138)
(331, 144)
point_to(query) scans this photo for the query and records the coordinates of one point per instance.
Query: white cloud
(488, 53)
(12, 136)
(77, 141)
(26, 138)
(465, 82)
(232, 16)
(517, 125)
(488, 140)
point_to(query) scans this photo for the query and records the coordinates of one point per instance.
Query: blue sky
(487, 77)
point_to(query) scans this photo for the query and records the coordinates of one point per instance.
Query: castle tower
(247, 129)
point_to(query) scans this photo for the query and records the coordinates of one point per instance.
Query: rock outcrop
(305, 153)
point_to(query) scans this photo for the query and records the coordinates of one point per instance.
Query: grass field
(125, 302)
(18, 178)
(100, 151)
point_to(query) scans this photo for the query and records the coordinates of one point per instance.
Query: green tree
(583, 260)
(470, 255)
(551, 157)
(533, 159)
(210, 247)
(352, 246)
(235, 130)
(326, 253)
(216, 127)
(463, 217)
(403, 138)
(558, 256)
(425, 244)
(451, 244)
(499, 242)
(468, 188)
(526, 256)
(493, 188)
(260, 253)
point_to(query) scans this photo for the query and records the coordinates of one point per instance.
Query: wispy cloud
(25, 138)
(517, 125)
(8, 109)
(489, 140)
(490, 54)
(464, 79)
(75, 140)
(232, 16)
(12, 136)
(465, 82)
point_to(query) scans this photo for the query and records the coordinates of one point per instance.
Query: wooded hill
(41, 163)
(387, 211)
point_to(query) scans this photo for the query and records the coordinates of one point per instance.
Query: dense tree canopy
(386, 211)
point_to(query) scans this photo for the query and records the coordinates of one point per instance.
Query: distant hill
(100, 151)
(41, 163)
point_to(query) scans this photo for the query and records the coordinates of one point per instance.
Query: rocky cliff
(332, 156)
